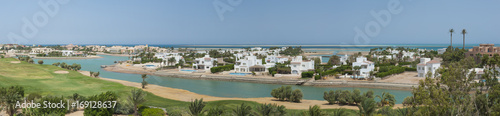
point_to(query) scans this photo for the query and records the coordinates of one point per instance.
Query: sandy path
(61, 72)
(406, 77)
(184, 95)
(15, 62)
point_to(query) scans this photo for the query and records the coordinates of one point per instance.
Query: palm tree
(243, 110)
(144, 83)
(196, 107)
(315, 111)
(451, 37)
(463, 33)
(137, 97)
(367, 107)
(386, 99)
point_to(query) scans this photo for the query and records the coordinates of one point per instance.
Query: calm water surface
(209, 87)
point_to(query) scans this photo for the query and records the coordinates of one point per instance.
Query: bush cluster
(389, 70)
(74, 66)
(307, 74)
(284, 93)
(222, 68)
(346, 97)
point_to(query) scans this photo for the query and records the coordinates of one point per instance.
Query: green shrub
(389, 70)
(317, 77)
(52, 111)
(283, 93)
(344, 97)
(216, 111)
(124, 107)
(108, 96)
(307, 74)
(153, 112)
(296, 96)
(222, 68)
(356, 96)
(330, 97)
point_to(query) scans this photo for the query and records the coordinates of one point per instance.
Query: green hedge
(307, 74)
(389, 70)
(222, 68)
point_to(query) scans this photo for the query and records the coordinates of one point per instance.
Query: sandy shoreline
(184, 95)
(91, 57)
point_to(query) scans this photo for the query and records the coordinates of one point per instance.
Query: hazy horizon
(245, 22)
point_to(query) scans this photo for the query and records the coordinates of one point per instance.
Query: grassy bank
(41, 79)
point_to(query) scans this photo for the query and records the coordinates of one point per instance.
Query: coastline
(187, 96)
(91, 57)
(265, 80)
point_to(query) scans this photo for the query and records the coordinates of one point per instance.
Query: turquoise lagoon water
(243, 74)
(209, 87)
(186, 70)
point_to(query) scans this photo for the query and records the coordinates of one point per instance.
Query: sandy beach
(184, 95)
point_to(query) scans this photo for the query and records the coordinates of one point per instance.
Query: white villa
(276, 59)
(366, 66)
(427, 65)
(67, 52)
(343, 59)
(204, 63)
(298, 65)
(166, 56)
(249, 64)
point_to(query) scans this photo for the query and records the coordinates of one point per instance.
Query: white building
(204, 63)
(427, 65)
(276, 59)
(41, 50)
(343, 59)
(166, 56)
(67, 52)
(441, 51)
(479, 72)
(298, 65)
(366, 66)
(249, 64)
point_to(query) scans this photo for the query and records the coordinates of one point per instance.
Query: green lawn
(41, 79)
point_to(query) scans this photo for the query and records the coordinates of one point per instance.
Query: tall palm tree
(137, 97)
(196, 107)
(463, 33)
(144, 83)
(451, 37)
(386, 99)
(367, 107)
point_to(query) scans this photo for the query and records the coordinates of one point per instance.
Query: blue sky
(250, 22)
